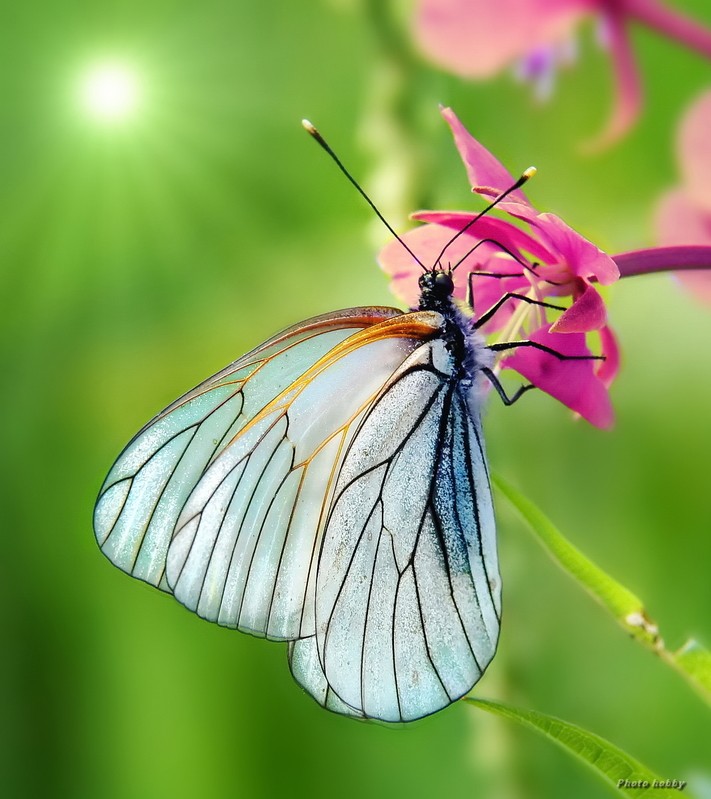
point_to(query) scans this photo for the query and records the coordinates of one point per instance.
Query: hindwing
(407, 600)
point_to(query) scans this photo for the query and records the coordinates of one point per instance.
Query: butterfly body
(330, 489)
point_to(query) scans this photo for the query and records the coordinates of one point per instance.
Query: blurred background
(150, 238)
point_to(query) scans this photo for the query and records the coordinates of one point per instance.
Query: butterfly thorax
(466, 347)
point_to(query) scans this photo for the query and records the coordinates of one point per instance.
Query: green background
(138, 258)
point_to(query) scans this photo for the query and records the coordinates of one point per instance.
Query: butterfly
(330, 489)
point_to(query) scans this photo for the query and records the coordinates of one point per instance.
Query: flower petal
(574, 383)
(582, 257)
(607, 370)
(628, 89)
(694, 151)
(477, 38)
(680, 221)
(698, 283)
(482, 168)
(488, 291)
(427, 242)
(587, 313)
(489, 227)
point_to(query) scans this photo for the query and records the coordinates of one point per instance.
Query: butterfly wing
(407, 600)
(245, 549)
(144, 493)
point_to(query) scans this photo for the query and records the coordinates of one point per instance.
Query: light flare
(110, 92)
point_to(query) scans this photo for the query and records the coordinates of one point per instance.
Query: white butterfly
(330, 489)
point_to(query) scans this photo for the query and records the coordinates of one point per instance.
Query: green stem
(692, 661)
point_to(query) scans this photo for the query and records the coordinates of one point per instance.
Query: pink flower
(683, 214)
(548, 260)
(478, 38)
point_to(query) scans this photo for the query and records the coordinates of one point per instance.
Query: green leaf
(692, 661)
(608, 761)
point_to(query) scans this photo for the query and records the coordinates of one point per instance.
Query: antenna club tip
(529, 173)
(308, 127)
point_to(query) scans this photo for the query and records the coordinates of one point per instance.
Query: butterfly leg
(470, 285)
(510, 295)
(510, 345)
(501, 391)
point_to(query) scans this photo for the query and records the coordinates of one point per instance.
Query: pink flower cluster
(548, 260)
(683, 214)
(478, 38)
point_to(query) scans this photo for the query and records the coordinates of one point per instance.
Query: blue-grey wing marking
(407, 591)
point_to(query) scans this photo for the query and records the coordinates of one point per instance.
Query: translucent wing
(246, 545)
(243, 538)
(144, 493)
(407, 600)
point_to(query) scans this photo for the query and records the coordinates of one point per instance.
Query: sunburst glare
(110, 92)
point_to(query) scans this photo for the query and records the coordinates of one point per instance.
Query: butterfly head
(436, 289)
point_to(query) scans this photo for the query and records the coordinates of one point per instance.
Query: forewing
(146, 489)
(247, 540)
(407, 592)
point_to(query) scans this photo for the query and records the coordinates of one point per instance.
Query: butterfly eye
(444, 283)
(439, 283)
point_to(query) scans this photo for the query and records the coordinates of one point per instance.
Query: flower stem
(671, 23)
(663, 259)
(692, 661)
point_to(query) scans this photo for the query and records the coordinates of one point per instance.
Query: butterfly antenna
(319, 138)
(526, 176)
